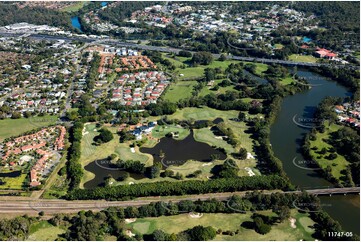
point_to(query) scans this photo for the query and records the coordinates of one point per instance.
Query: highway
(26, 205)
(116, 42)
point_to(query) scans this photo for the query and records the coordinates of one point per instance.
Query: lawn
(207, 90)
(260, 67)
(178, 223)
(338, 164)
(15, 183)
(205, 135)
(196, 72)
(179, 90)
(203, 113)
(302, 58)
(44, 231)
(15, 127)
(287, 80)
(161, 131)
(239, 129)
(90, 152)
(279, 46)
(74, 7)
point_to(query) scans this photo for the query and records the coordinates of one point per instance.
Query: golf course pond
(168, 151)
(176, 152)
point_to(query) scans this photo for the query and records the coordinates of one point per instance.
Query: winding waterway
(286, 138)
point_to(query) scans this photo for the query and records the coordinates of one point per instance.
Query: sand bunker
(129, 233)
(195, 215)
(292, 222)
(249, 156)
(130, 220)
(249, 171)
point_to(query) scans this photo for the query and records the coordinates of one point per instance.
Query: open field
(302, 58)
(179, 90)
(338, 164)
(15, 183)
(207, 90)
(178, 223)
(203, 113)
(14, 127)
(196, 72)
(74, 7)
(44, 231)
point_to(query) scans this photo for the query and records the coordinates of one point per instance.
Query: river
(286, 140)
(75, 19)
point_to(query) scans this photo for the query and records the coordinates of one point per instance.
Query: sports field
(203, 113)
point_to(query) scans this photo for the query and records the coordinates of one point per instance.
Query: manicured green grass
(302, 58)
(196, 72)
(44, 231)
(239, 129)
(205, 135)
(15, 127)
(203, 113)
(338, 164)
(260, 67)
(207, 90)
(15, 183)
(75, 7)
(175, 224)
(279, 46)
(90, 152)
(160, 131)
(286, 81)
(179, 90)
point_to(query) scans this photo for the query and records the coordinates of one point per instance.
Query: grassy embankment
(338, 164)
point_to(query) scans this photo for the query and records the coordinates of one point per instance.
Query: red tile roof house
(34, 178)
(323, 53)
(59, 142)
